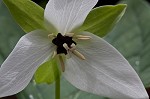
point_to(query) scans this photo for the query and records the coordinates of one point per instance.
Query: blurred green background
(131, 37)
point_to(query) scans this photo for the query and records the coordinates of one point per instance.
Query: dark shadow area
(148, 91)
(148, 1)
(100, 2)
(107, 2)
(10, 97)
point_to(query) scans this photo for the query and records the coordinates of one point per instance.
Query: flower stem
(57, 88)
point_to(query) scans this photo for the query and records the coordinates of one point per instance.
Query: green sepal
(102, 19)
(27, 14)
(48, 72)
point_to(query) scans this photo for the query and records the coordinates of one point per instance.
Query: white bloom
(94, 65)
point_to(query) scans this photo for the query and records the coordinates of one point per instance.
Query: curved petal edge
(18, 69)
(104, 72)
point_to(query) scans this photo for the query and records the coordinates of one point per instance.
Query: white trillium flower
(93, 66)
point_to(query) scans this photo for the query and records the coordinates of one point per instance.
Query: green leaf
(142, 16)
(44, 91)
(10, 32)
(47, 72)
(27, 14)
(101, 20)
(132, 36)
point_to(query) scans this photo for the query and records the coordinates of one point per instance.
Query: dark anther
(60, 40)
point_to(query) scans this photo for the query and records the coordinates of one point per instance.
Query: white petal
(67, 15)
(18, 69)
(104, 72)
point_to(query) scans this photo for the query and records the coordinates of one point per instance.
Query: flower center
(66, 45)
(63, 43)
